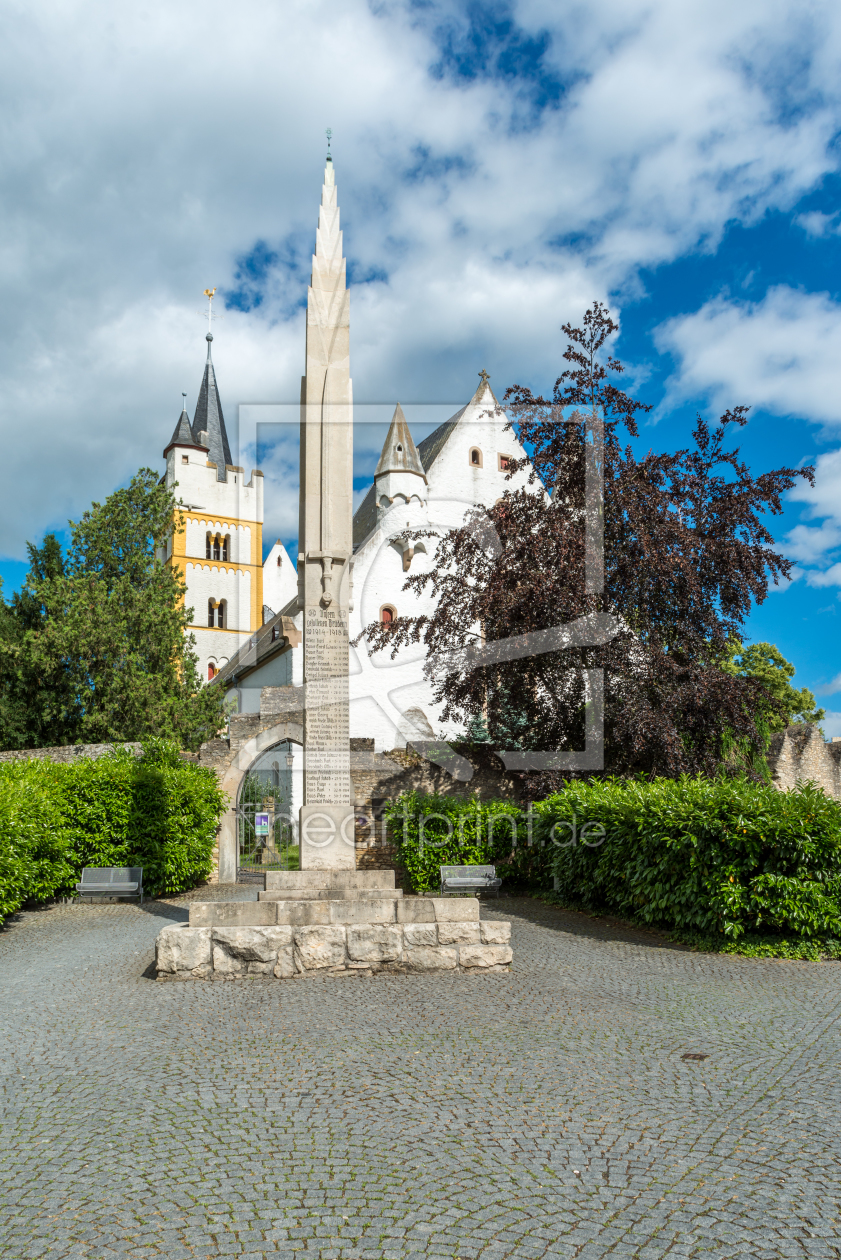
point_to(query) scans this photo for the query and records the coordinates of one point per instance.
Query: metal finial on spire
(209, 294)
(485, 377)
(184, 404)
(329, 134)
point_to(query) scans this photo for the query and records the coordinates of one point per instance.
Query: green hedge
(158, 812)
(712, 859)
(434, 831)
(721, 857)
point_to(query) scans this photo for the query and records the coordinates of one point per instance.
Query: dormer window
(504, 463)
(475, 457)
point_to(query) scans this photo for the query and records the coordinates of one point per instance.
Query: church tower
(220, 553)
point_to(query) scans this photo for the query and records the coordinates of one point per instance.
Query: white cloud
(780, 354)
(146, 148)
(832, 725)
(809, 544)
(831, 688)
(814, 223)
(825, 577)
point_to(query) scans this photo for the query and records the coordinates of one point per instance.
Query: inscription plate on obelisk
(326, 544)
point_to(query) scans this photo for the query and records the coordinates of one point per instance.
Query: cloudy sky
(499, 166)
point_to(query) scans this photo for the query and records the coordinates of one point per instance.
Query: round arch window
(388, 615)
(475, 457)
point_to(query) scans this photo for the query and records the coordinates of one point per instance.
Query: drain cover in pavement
(694, 1056)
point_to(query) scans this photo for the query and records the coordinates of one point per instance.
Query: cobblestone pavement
(548, 1112)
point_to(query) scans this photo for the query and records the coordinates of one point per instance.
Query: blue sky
(499, 167)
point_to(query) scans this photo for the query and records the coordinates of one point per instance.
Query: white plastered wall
(239, 550)
(280, 578)
(215, 581)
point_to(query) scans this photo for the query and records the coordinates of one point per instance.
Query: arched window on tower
(216, 548)
(226, 547)
(208, 553)
(221, 613)
(387, 615)
(212, 671)
(475, 457)
(211, 613)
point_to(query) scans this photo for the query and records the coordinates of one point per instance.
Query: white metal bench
(111, 881)
(462, 878)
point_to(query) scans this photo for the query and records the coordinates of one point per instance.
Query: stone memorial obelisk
(325, 548)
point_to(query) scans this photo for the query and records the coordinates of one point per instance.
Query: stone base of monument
(329, 923)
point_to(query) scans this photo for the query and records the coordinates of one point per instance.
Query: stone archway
(232, 779)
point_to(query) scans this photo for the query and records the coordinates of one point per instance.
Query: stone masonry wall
(800, 752)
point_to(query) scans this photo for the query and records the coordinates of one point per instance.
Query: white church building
(247, 618)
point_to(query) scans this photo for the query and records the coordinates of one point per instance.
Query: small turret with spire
(400, 471)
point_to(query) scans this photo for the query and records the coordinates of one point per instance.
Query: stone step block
(371, 910)
(291, 880)
(329, 894)
(232, 914)
(438, 910)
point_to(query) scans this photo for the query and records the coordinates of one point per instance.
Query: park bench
(111, 881)
(460, 878)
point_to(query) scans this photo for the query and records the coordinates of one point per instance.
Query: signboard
(261, 824)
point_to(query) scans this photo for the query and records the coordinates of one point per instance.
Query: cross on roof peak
(485, 377)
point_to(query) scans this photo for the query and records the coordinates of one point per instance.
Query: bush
(159, 812)
(715, 857)
(434, 831)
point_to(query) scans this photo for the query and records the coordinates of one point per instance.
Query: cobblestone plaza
(545, 1112)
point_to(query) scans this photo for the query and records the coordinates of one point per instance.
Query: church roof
(431, 447)
(365, 517)
(209, 419)
(182, 434)
(426, 453)
(399, 451)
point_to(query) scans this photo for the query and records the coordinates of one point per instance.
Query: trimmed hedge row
(158, 812)
(717, 856)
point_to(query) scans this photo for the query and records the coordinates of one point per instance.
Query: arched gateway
(252, 769)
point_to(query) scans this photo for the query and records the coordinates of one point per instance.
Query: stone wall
(65, 753)
(800, 752)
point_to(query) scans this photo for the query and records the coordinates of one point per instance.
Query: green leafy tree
(100, 650)
(765, 663)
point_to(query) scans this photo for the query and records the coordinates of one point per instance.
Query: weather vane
(211, 314)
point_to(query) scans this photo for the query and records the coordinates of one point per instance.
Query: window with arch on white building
(475, 457)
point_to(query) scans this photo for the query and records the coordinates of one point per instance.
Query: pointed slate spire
(182, 434)
(210, 421)
(399, 451)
